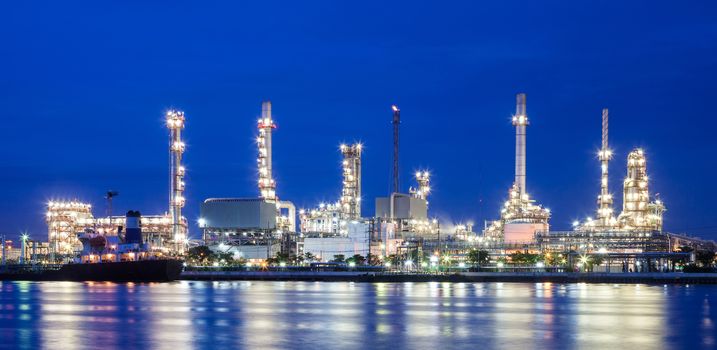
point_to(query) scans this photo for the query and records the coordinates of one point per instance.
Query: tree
(358, 259)
(283, 257)
(309, 257)
(200, 255)
(339, 258)
(478, 257)
(393, 259)
(226, 259)
(705, 257)
(375, 260)
(595, 260)
(297, 259)
(554, 259)
(521, 258)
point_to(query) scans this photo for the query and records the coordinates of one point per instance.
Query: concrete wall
(326, 248)
(405, 207)
(238, 213)
(249, 252)
(522, 232)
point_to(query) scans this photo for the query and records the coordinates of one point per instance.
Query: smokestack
(134, 228)
(520, 121)
(396, 121)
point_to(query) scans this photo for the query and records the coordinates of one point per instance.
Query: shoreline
(526, 277)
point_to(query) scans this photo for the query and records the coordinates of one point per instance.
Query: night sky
(83, 89)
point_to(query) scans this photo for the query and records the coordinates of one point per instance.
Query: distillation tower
(175, 124)
(351, 190)
(267, 185)
(334, 217)
(637, 210)
(605, 215)
(638, 213)
(423, 178)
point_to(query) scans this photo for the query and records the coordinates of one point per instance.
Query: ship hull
(126, 271)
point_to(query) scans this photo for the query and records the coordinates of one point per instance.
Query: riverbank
(370, 277)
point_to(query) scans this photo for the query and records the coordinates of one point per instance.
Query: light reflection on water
(307, 315)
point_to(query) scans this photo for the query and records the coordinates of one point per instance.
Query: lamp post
(23, 239)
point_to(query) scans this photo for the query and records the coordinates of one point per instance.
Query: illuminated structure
(285, 211)
(402, 215)
(637, 210)
(175, 124)
(351, 191)
(67, 219)
(252, 228)
(396, 122)
(520, 218)
(637, 230)
(334, 217)
(64, 221)
(423, 178)
(605, 217)
(267, 185)
(520, 121)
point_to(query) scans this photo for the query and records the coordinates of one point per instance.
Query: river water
(321, 315)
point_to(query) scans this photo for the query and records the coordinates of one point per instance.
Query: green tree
(375, 260)
(339, 258)
(309, 257)
(200, 255)
(358, 259)
(705, 257)
(478, 257)
(226, 259)
(595, 260)
(394, 260)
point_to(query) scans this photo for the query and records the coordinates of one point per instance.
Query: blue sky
(84, 86)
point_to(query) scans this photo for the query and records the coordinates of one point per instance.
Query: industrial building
(520, 218)
(66, 220)
(257, 228)
(251, 228)
(636, 230)
(337, 228)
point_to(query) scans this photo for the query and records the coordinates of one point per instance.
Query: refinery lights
(267, 185)
(175, 124)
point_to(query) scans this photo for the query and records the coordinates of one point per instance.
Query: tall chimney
(520, 121)
(396, 121)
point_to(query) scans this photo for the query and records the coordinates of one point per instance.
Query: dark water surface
(320, 315)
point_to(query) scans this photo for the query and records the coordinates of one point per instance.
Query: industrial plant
(68, 220)
(260, 226)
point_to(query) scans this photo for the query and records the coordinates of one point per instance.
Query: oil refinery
(258, 227)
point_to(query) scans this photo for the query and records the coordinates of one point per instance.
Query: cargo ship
(105, 258)
(156, 270)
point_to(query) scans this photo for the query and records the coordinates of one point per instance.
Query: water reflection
(279, 315)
